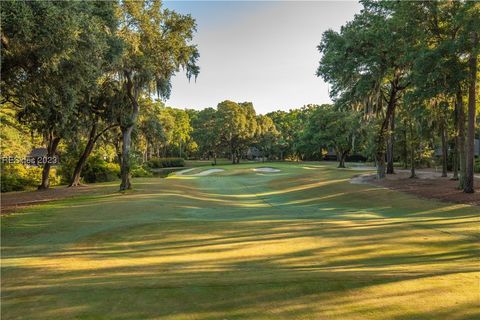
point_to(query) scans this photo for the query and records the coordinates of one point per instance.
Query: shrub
(166, 162)
(18, 177)
(98, 170)
(138, 172)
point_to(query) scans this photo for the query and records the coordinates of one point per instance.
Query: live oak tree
(150, 128)
(330, 127)
(52, 55)
(206, 133)
(266, 135)
(100, 109)
(470, 35)
(236, 124)
(368, 64)
(157, 45)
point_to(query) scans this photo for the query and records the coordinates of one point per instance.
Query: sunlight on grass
(308, 245)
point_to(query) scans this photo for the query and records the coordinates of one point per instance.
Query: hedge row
(166, 162)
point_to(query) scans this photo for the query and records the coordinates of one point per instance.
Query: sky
(263, 52)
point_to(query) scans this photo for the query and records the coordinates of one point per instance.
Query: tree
(266, 135)
(181, 130)
(205, 133)
(101, 109)
(472, 62)
(52, 55)
(157, 45)
(237, 125)
(333, 128)
(367, 64)
(150, 127)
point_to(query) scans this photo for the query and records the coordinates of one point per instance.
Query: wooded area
(80, 79)
(117, 205)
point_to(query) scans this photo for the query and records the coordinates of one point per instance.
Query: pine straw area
(430, 185)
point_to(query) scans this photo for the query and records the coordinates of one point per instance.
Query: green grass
(300, 244)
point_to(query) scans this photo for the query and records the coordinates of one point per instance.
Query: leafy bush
(138, 172)
(18, 177)
(98, 170)
(67, 163)
(166, 162)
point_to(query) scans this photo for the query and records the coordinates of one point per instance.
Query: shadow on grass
(343, 252)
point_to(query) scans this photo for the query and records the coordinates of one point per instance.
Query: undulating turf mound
(304, 244)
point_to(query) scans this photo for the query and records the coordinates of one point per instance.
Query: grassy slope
(300, 244)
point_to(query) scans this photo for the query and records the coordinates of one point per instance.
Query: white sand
(203, 173)
(207, 172)
(182, 172)
(270, 170)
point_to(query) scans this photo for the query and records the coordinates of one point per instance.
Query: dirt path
(428, 184)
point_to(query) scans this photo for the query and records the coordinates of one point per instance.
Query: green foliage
(166, 162)
(69, 158)
(141, 172)
(266, 135)
(18, 177)
(157, 45)
(331, 128)
(236, 124)
(54, 53)
(98, 170)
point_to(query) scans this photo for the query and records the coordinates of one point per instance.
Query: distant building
(438, 151)
(253, 153)
(332, 156)
(38, 156)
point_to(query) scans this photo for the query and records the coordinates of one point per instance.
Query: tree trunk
(342, 156)
(412, 153)
(405, 147)
(412, 162)
(118, 149)
(472, 61)
(382, 135)
(455, 162)
(127, 129)
(443, 131)
(462, 157)
(391, 142)
(92, 139)
(125, 166)
(75, 180)
(47, 164)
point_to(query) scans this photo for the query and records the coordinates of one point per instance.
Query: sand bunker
(266, 169)
(182, 172)
(203, 173)
(207, 172)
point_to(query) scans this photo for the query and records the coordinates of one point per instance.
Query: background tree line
(412, 68)
(73, 70)
(87, 80)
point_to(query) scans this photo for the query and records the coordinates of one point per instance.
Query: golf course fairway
(301, 243)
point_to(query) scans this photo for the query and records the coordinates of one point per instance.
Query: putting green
(303, 243)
